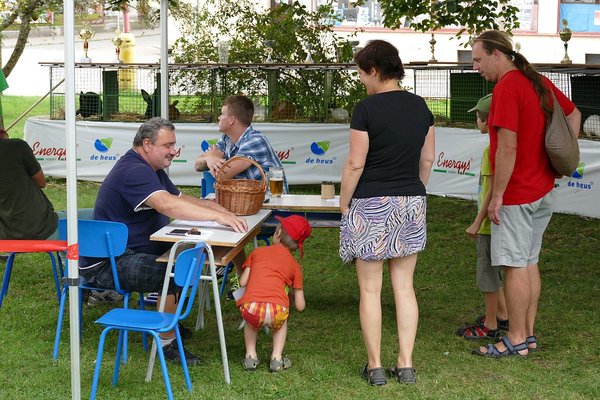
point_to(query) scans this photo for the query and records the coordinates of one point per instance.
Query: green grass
(325, 342)
(14, 106)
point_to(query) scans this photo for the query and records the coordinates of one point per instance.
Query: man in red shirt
(522, 197)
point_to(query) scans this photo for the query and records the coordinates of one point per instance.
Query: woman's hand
(344, 209)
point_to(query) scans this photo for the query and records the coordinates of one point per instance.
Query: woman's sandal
(531, 341)
(250, 363)
(375, 376)
(406, 376)
(511, 350)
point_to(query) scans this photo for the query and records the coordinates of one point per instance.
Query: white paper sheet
(201, 224)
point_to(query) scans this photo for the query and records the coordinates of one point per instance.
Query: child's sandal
(279, 365)
(250, 363)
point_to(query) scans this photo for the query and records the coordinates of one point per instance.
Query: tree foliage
(149, 10)
(290, 30)
(290, 26)
(471, 16)
(27, 11)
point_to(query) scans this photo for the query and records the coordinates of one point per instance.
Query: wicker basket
(240, 196)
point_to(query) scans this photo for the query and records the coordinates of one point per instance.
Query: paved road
(28, 78)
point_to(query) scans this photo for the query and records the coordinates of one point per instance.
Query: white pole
(164, 59)
(71, 141)
(164, 112)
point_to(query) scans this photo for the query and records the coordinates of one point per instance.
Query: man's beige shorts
(517, 241)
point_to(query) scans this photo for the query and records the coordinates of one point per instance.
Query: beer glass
(276, 181)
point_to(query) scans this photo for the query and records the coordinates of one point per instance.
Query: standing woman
(382, 200)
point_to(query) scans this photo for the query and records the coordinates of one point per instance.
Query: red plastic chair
(15, 247)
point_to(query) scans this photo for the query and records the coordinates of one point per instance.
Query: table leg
(219, 316)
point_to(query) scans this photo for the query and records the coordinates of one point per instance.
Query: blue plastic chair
(188, 272)
(207, 183)
(223, 273)
(98, 239)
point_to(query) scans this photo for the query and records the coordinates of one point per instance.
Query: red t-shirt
(516, 106)
(272, 269)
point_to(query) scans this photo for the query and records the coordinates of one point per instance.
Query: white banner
(458, 161)
(310, 153)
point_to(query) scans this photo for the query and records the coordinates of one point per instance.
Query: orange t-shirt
(272, 269)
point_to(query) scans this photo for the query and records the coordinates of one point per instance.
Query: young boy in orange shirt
(267, 274)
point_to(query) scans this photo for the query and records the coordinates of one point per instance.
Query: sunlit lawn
(325, 342)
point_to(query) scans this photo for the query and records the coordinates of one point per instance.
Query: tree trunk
(23, 36)
(19, 46)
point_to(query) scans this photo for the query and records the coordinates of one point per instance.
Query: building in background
(538, 34)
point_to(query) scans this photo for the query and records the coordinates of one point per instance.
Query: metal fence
(284, 93)
(289, 92)
(452, 90)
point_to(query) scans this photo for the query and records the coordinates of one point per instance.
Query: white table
(300, 203)
(320, 213)
(303, 202)
(228, 244)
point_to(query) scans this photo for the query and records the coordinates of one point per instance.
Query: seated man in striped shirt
(239, 139)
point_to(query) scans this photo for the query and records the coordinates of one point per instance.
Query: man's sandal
(375, 376)
(511, 350)
(531, 341)
(250, 363)
(406, 376)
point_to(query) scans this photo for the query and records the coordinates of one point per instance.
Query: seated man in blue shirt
(138, 192)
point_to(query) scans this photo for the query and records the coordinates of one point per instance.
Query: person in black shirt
(382, 200)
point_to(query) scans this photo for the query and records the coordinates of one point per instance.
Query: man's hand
(229, 219)
(213, 158)
(494, 210)
(214, 164)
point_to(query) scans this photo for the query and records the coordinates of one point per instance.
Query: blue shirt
(122, 195)
(252, 144)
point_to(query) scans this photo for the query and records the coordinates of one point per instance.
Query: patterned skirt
(381, 228)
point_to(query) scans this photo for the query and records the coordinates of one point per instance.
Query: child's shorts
(489, 279)
(257, 314)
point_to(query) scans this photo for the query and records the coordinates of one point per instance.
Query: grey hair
(150, 128)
